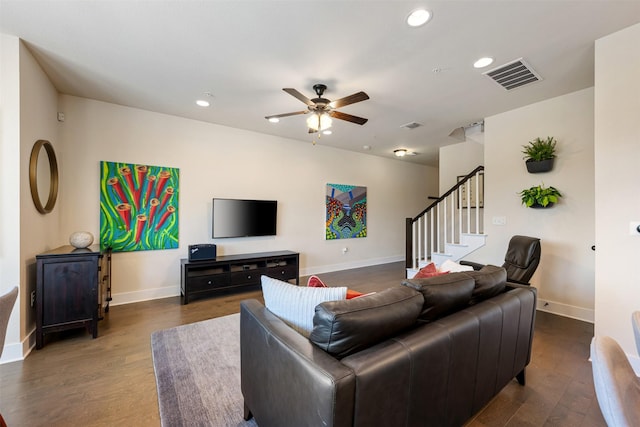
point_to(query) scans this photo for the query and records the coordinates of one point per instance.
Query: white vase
(81, 239)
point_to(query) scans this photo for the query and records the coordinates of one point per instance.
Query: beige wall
(38, 232)
(617, 178)
(456, 160)
(565, 278)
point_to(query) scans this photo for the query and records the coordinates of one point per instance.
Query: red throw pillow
(315, 282)
(428, 270)
(353, 294)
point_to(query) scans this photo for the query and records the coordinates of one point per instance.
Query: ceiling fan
(323, 109)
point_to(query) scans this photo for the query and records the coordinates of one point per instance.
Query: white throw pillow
(296, 304)
(454, 267)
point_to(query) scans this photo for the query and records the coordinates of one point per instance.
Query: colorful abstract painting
(138, 207)
(346, 212)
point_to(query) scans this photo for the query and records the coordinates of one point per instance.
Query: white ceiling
(163, 55)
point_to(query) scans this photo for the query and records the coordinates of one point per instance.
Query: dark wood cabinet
(235, 272)
(72, 290)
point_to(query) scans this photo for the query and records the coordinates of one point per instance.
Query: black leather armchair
(521, 260)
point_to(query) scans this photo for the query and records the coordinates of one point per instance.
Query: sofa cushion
(490, 281)
(442, 295)
(344, 327)
(295, 304)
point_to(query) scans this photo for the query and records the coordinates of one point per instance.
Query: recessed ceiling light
(274, 120)
(327, 132)
(202, 103)
(483, 62)
(418, 17)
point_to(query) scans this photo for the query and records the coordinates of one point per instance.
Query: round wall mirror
(43, 175)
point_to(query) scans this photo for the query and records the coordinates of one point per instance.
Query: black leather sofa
(363, 366)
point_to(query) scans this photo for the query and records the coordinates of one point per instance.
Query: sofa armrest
(476, 266)
(285, 379)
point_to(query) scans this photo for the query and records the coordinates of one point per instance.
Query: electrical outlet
(33, 298)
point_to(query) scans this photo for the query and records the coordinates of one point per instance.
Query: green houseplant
(540, 196)
(539, 154)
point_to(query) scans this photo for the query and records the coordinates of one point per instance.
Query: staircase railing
(444, 221)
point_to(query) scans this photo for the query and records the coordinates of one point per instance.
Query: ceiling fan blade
(298, 95)
(277, 116)
(348, 117)
(312, 131)
(351, 99)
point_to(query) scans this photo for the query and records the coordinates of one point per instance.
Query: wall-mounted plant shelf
(539, 166)
(539, 206)
(540, 154)
(540, 196)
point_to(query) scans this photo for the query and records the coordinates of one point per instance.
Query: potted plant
(540, 196)
(539, 154)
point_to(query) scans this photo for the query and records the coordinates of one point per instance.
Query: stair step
(458, 245)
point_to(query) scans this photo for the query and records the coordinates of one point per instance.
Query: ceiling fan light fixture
(419, 17)
(402, 152)
(327, 132)
(319, 122)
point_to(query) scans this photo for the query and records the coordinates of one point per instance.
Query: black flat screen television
(244, 218)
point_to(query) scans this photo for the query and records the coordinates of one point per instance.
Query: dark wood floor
(78, 381)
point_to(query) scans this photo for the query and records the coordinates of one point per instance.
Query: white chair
(616, 384)
(6, 306)
(635, 321)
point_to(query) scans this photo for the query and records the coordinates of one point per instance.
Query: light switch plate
(499, 220)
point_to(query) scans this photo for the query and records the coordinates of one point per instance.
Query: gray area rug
(197, 369)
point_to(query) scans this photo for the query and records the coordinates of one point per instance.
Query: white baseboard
(348, 265)
(144, 295)
(573, 312)
(18, 351)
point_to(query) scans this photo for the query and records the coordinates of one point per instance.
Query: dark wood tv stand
(239, 272)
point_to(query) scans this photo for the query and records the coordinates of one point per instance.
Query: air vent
(411, 125)
(514, 74)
